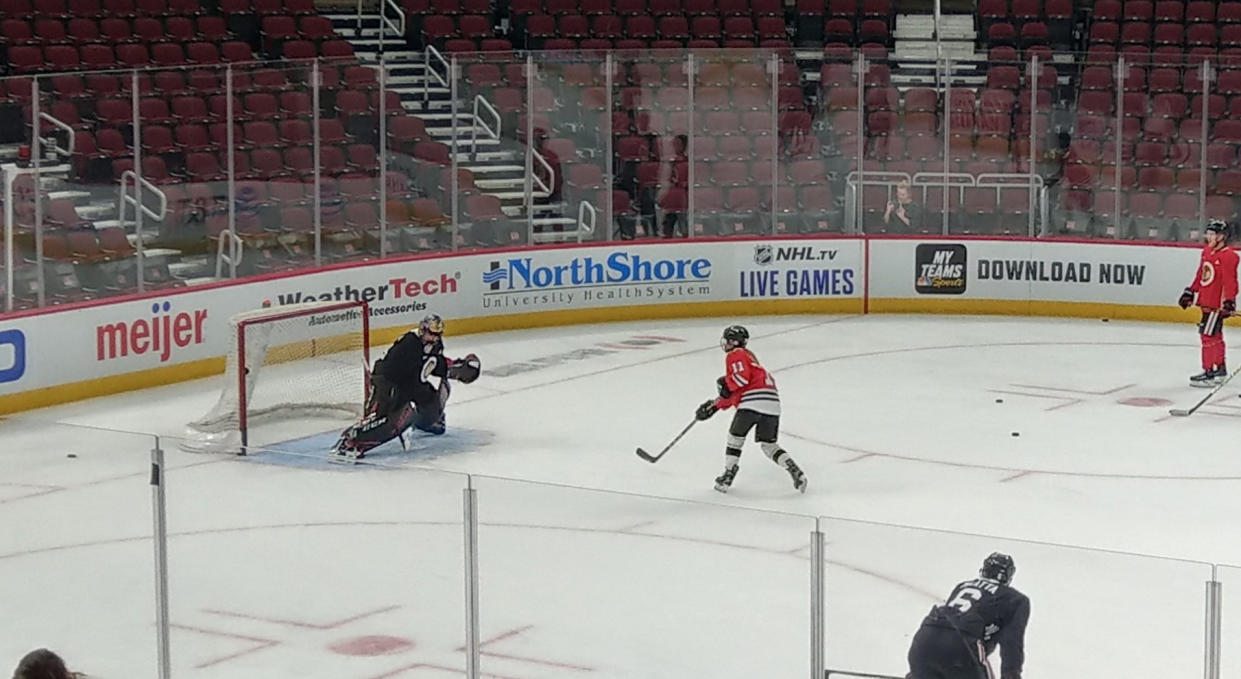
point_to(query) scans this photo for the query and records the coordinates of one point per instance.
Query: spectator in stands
(43, 664)
(331, 204)
(249, 219)
(553, 160)
(674, 183)
(903, 214)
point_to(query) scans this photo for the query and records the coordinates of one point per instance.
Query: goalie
(409, 388)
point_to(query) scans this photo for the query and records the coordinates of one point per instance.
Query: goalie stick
(655, 458)
(1179, 412)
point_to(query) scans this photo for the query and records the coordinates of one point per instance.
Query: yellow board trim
(143, 379)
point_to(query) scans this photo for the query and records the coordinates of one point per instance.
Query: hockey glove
(721, 386)
(465, 370)
(706, 410)
(1229, 307)
(1186, 299)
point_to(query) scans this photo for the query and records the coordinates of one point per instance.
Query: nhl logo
(762, 255)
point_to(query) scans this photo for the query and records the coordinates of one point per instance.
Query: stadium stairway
(498, 164)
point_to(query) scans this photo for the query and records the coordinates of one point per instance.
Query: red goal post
(287, 362)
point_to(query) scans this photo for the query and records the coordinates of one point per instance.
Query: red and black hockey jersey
(751, 387)
(1217, 277)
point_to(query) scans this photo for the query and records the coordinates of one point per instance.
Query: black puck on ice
(1016, 433)
(72, 455)
(1105, 320)
(999, 400)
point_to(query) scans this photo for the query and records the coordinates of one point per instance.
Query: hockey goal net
(288, 362)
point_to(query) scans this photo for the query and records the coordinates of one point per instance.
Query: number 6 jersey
(991, 612)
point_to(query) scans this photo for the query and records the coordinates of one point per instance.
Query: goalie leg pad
(375, 430)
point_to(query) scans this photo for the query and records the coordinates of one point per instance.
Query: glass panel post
(528, 198)
(454, 199)
(316, 79)
(230, 148)
(383, 153)
(1032, 188)
(609, 157)
(691, 185)
(1117, 209)
(1202, 144)
(946, 203)
(136, 91)
(36, 152)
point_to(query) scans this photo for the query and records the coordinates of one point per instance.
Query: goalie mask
(431, 328)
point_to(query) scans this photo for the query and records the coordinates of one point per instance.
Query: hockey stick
(655, 458)
(1178, 412)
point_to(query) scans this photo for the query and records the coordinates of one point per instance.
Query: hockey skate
(725, 481)
(799, 478)
(1209, 378)
(344, 452)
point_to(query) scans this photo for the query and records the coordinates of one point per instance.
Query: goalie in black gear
(409, 388)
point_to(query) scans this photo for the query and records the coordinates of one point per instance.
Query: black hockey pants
(944, 653)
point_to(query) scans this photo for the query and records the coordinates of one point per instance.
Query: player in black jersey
(409, 387)
(956, 637)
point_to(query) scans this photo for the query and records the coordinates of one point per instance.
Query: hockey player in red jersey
(748, 386)
(1215, 291)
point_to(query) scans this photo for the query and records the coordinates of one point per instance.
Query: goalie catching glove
(465, 370)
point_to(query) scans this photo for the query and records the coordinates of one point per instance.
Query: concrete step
(401, 58)
(519, 195)
(446, 117)
(494, 169)
(462, 133)
(373, 43)
(464, 159)
(69, 194)
(508, 184)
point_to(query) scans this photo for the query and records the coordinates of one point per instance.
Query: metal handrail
(584, 208)
(875, 178)
(958, 179)
(426, 62)
(238, 249)
(64, 126)
(479, 101)
(398, 27)
(1002, 179)
(551, 174)
(136, 200)
(358, 25)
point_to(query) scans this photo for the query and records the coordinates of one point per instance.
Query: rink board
(93, 349)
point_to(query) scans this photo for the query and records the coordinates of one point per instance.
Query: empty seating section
(1150, 149)
(184, 62)
(639, 24)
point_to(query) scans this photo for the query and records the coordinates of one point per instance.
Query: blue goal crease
(314, 451)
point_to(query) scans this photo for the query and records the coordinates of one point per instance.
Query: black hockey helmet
(431, 324)
(736, 335)
(1219, 226)
(999, 567)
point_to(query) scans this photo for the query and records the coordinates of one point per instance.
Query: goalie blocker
(409, 388)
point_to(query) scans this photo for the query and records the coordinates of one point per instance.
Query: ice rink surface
(1050, 433)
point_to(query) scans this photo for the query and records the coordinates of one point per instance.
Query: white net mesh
(305, 360)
